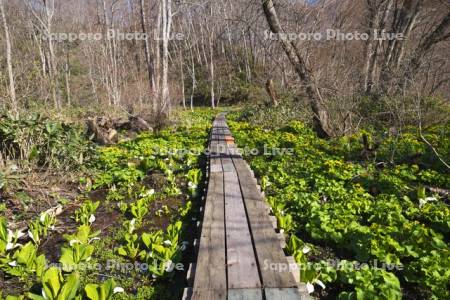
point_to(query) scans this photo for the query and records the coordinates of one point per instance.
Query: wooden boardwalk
(238, 241)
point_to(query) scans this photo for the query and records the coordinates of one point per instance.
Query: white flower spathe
(42, 217)
(91, 219)
(94, 239)
(322, 285)
(13, 263)
(31, 235)
(118, 290)
(9, 246)
(10, 235)
(17, 235)
(310, 288)
(132, 226)
(148, 193)
(422, 202)
(73, 242)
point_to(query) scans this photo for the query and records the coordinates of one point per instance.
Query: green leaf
(52, 283)
(421, 192)
(92, 291)
(40, 264)
(101, 292)
(347, 296)
(13, 297)
(26, 255)
(438, 243)
(33, 153)
(70, 288)
(122, 251)
(67, 259)
(3, 235)
(3, 229)
(36, 297)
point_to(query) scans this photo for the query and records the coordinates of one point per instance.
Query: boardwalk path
(238, 241)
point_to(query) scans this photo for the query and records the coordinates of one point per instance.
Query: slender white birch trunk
(12, 88)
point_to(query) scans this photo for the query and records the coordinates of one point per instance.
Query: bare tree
(12, 88)
(46, 24)
(166, 34)
(225, 54)
(321, 118)
(378, 12)
(148, 58)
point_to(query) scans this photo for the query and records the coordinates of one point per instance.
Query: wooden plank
(294, 269)
(228, 167)
(232, 195)
(281, 240)
(215, 165)
(285, 294)
(210, 281)
(211, 262)
(245, 294)
(273, 220)
(209, 295)
(242, 268)
(267, 246)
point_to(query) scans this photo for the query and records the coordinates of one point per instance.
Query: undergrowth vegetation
(35, 141)
(127, 237)
(361, 225)
(366, 215)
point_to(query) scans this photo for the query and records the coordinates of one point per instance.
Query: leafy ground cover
(359, 227)
(41, 160)
(43, 143)
(363, 225)
(125, 236)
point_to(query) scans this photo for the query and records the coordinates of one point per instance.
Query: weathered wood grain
(242, 268)
(267, 245)
(245, 294)
(209, 295)
(241, 261)
(211, 273)
(285, 294)
(238, 242)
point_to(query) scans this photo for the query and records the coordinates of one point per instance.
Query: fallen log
(135, 124)
(104, 131)
(100, 131)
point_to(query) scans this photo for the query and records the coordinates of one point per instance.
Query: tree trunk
(194, 81)
(157, 51)
(378, 12)
(53, 68)
(183, 95)
(148, 59)
(271, 91)
(211, 68)
(404, 20)
(166, 31)
(12, 88)
(67, 78)
(438, 35)
(210, 37)
(321, 117)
